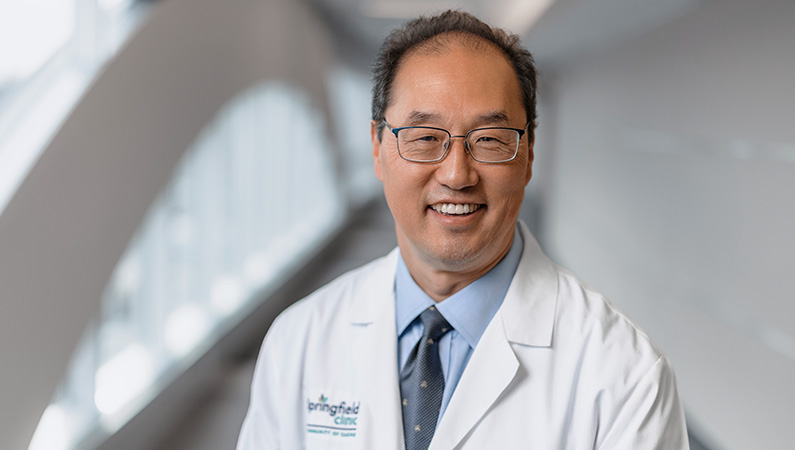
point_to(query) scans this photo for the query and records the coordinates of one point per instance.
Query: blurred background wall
(670, 189)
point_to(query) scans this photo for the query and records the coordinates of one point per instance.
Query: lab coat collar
(528, 311)
(378, 292)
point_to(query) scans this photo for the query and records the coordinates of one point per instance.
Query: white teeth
(455, 208)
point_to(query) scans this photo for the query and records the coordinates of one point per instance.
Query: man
(466, 336)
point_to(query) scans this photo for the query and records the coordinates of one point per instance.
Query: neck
(441, 280)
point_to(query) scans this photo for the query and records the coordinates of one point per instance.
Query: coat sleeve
(652, 417)
(261, 426)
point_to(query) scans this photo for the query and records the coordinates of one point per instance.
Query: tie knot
(434, 323)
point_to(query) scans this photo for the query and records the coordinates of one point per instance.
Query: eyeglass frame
(520, 132)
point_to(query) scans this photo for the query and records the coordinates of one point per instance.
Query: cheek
(508, 190)
(389, 163)
(403, 186)
(401, 175)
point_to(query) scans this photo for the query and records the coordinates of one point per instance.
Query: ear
(530, 155)
(376, 149)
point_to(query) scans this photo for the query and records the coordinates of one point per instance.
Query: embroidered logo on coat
(332, 416)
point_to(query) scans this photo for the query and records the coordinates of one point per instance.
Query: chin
(452, 257)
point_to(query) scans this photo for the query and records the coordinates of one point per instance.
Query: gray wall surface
(670, 162)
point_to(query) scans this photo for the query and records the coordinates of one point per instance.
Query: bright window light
(110, 5)
(520, 15)
(122, 379)
(31, 31)
(258, 269)
(211, 240)
(53, 430)
(128, 275)
(183, 230)
(228, 293)
(186, 326)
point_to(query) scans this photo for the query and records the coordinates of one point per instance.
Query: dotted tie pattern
(422, 382)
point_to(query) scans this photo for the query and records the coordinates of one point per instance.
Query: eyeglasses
(429, 144)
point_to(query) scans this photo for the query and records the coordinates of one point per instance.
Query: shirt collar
(469, 310)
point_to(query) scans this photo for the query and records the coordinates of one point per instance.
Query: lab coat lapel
(373, 322)
(490, 370)
(526, 318)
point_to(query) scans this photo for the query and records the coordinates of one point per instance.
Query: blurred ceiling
(554, 30)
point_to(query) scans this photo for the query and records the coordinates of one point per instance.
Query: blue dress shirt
(469, 311)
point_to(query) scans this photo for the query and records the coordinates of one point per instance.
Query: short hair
(456, 25)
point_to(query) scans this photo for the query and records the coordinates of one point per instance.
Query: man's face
(457, 89)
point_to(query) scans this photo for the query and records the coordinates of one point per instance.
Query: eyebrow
(494, 118)
(490, 118)
(419, 118)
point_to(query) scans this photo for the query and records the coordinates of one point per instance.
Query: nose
(457, 170)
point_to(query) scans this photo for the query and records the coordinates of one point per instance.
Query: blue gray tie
(422, 383)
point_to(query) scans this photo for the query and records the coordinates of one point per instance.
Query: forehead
(456, 83)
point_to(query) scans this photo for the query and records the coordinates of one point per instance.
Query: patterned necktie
(422, 383)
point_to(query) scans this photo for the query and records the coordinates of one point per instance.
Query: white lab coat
(557, 368)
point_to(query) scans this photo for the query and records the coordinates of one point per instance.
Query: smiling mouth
(455, 209)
